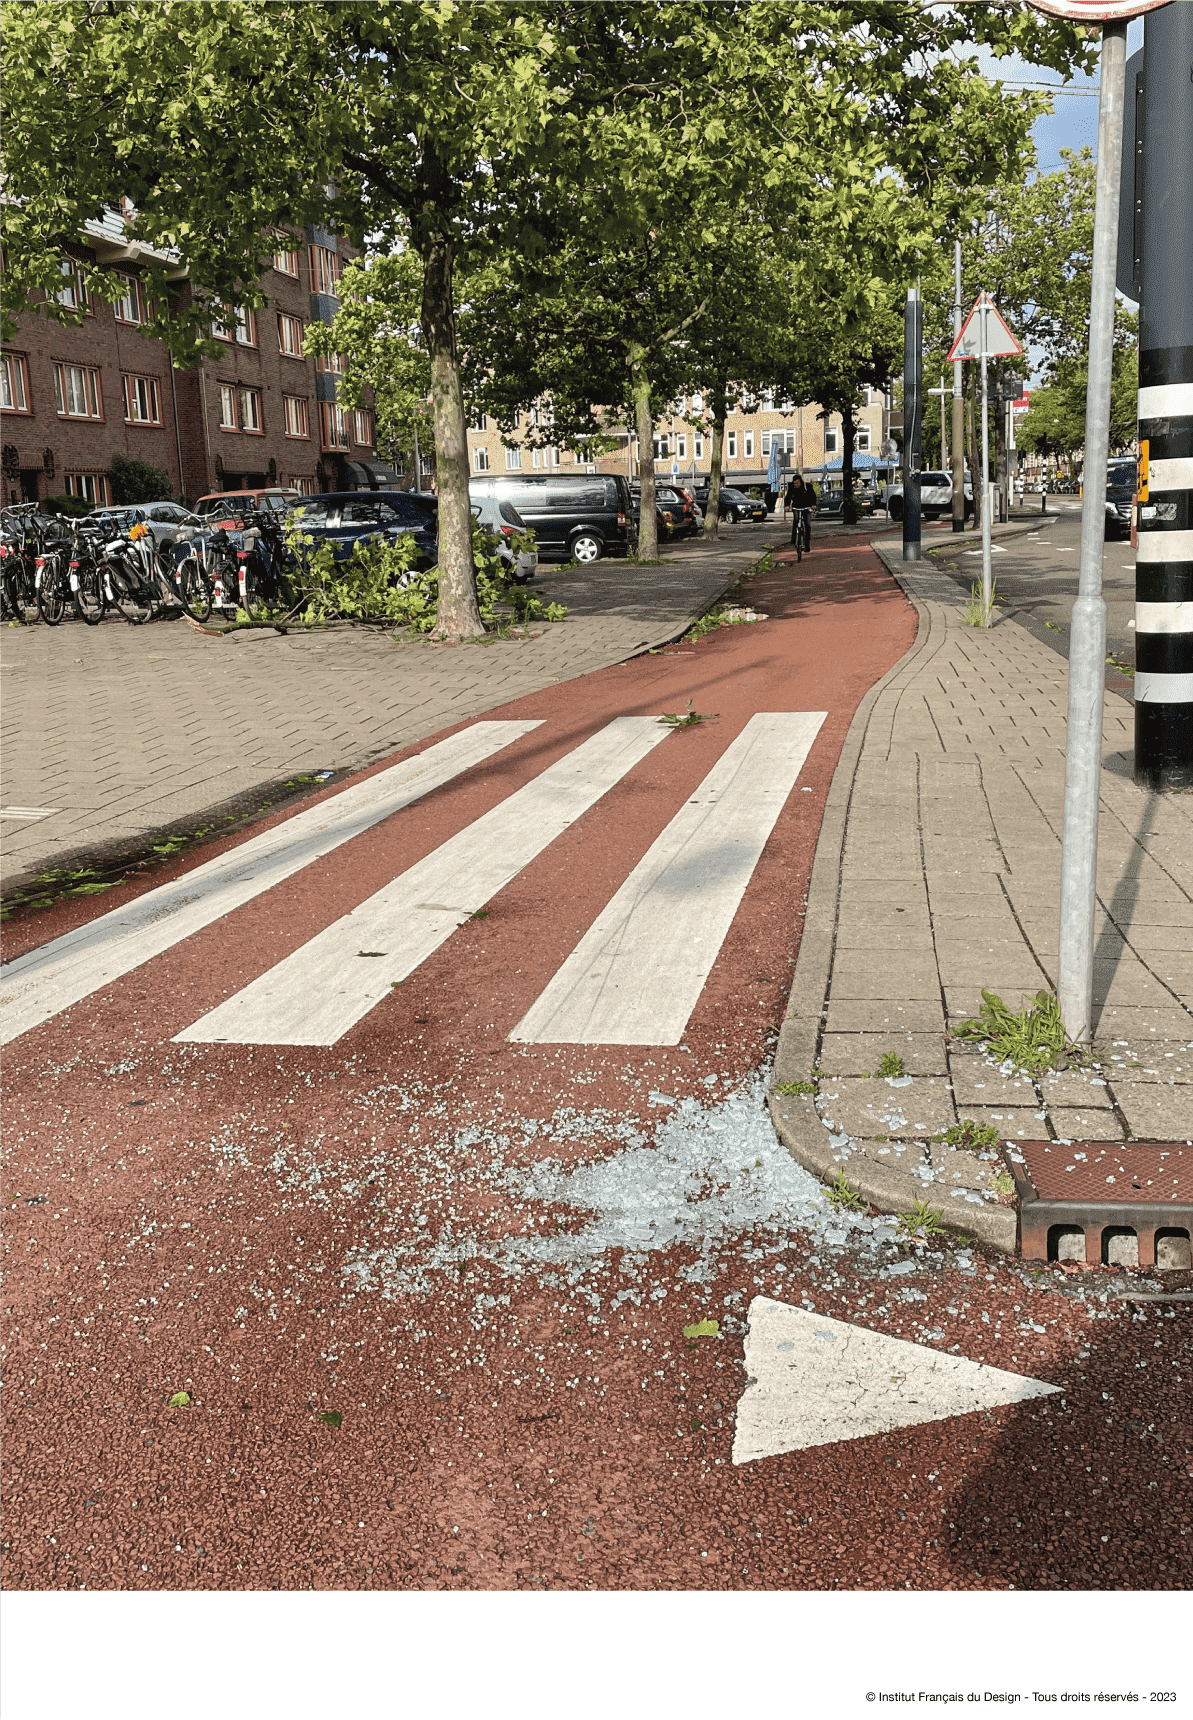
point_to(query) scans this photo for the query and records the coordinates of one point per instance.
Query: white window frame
(480, 459)
(73, 296)
(513, 459)
(698, 447)
(290, 328)
(681, 447)
(296, 417)
(731, 444)
(832, 442)
(333, 415)
(229, 419)
(252, 421)
(91, 486)
(142, 400)
(362, 427)
(14, 383)
(286, 263)
(130, 307)
(747, 445)
(862, 441)
(92, 393)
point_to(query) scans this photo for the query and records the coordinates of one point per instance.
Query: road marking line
(816, 1381)
(28, 811)
(316, 994)
(36, 986)
(636, 975)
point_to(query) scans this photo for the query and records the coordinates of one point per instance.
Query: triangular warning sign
(1000, 342)
(814, 1381)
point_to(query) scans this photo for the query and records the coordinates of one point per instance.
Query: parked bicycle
(24, 534)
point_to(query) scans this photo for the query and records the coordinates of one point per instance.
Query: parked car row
(936, 496)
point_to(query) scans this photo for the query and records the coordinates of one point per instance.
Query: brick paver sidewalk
(938, 874)
(116, 734)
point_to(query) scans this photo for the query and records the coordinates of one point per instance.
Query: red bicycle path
(194, 1218)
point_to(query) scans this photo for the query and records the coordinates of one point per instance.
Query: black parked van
(578, 518)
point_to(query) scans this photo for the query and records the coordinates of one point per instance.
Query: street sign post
(958, 404)
(984, 335)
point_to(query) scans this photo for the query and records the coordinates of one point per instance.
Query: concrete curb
(795, 1118)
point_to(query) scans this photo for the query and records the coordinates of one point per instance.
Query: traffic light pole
(913, 414)
(1087, 638)
(1164, 563)
(958, 403)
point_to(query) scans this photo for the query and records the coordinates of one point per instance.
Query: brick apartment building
(683, 440)
(72, 399)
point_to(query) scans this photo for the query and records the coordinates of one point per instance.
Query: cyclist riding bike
(800, 501)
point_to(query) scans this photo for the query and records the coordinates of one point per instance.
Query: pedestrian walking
(800, 502)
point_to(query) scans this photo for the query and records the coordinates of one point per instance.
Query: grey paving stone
(1075, 1088)
(1011, 1124)
(880, 976)
(1084, 1123)
(879, 1016)
(1155, 1112)
(874, 1107)
(861, 1053)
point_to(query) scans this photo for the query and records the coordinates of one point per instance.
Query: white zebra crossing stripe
(315, 995)
(812, 1380)
(36, 986)
(635, 977)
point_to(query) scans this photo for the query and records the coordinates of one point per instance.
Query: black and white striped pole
(1164, 564)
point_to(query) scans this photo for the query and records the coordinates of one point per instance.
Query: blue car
(345, 516)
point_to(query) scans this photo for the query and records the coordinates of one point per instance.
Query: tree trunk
(849, 429)
(720, 411)
(648, 534)
(458, 616)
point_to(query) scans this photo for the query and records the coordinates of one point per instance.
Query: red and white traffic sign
(1096, 11)
(984, 326)
(1023, 404)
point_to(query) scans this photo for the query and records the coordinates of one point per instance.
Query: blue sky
(1074, 119)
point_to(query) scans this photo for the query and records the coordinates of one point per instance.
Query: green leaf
(332, 1417)
(180, 1400)
(702, 1329)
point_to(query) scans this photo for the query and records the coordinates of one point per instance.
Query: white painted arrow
(816, 1381)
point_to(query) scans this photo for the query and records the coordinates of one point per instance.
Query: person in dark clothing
(800, 502)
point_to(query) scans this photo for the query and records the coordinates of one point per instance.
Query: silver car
(164, 519)
(503, 521)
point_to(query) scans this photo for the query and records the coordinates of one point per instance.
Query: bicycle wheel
(130, 596)
(196, 589)
(91, 600)
(51, 593)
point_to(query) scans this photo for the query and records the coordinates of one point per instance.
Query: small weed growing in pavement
(1034, 1040)
(1053, 627)
(976, 613)
(922, 1220)
(481, 914)
(695, 1425)
(1003, 1185)
(786, 1087)
(702, 1329)
(973, 1137)
(685, 719)
(180, 1400)
(332, 1417)
(1123, 668)
(890, 1064)
(843, 1196)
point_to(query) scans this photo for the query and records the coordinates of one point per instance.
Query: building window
(536, 458)
(363, 426)
(74, 294)
(130, 305)
(480, 421)
(513, 459)
(92, 486)
(77, 392)
(249, 400)
(697, 403)
(228, 418)
(867, 394)
(14, 383)
(330, 364)
(681, 447)
(334, 425)
(731, 444)
(863, 439)
(830, 441)
(662, 447)
(480, 459)
(142, 400)
(325, 270)
(748, 450)
(297, 415)
(698, 447)
(286, 263)
(289, 336)
(246, 327)
(304, 486)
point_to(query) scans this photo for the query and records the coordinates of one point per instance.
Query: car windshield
(1120, 475)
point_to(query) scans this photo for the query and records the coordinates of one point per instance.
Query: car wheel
(894, 509)
(586, 548)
